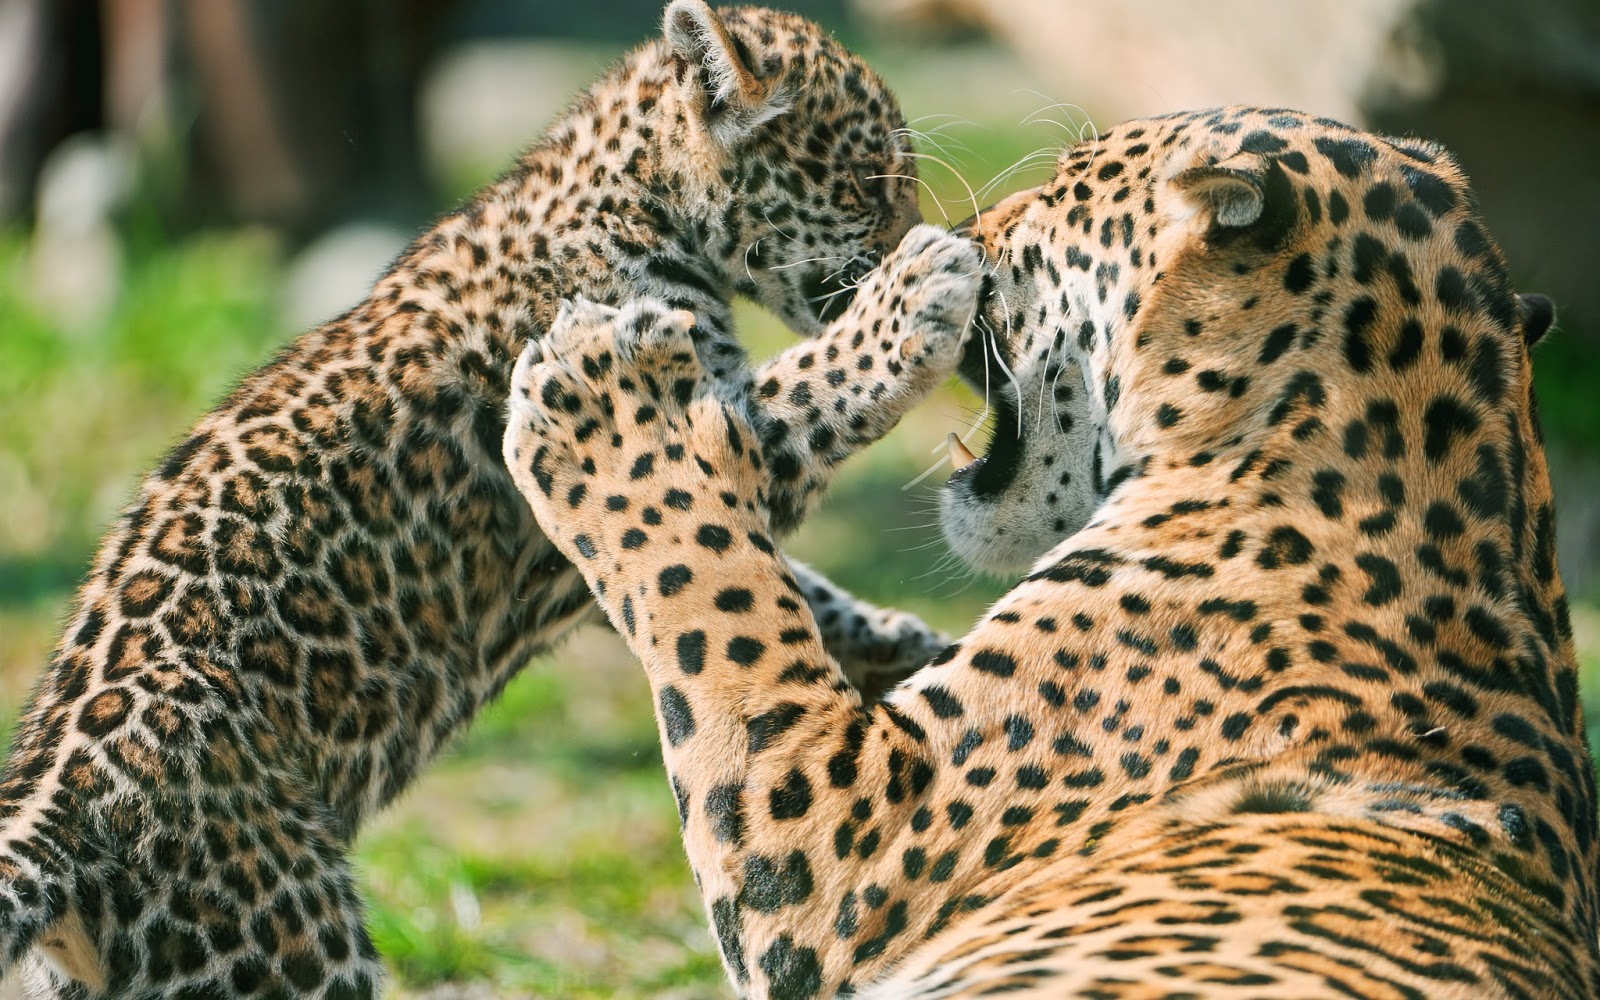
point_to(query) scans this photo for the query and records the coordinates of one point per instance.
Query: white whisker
(916, 180)
(756, 243)
(775, 226)
(935, 467)
(808, 260)
(977, 210)
(1016, 384)
(1038, 417)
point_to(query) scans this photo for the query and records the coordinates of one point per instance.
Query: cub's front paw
(932, 279)
(614, 427)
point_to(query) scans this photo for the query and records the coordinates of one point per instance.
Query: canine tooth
(960, 457)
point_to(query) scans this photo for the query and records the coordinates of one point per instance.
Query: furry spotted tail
(36, 914)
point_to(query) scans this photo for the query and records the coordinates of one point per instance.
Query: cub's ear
(729, 97)
(1536, 314)
(1230, 193)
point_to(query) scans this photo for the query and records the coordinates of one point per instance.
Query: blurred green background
(146, 262)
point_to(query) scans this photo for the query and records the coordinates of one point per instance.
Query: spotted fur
(333, 571)
(1294, 715)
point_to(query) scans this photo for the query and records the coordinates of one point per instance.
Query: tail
(37, 915)
(37, 911)
(32, 897)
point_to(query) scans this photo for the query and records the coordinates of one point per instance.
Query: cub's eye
(874, 181)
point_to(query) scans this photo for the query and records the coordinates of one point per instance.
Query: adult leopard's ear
(730, 98)
(1536, 314)
(1230, 193)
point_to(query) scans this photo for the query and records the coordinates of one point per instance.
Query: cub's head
(1226, 290)
(788, 150)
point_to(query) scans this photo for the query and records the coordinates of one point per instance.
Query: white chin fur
(985, 538)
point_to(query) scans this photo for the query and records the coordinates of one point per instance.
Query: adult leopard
(333, 571)
(1295, 715)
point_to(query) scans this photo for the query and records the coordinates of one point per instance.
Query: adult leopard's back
(1296, 714)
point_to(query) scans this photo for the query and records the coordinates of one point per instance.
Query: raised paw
(612, 418)
(932, 281)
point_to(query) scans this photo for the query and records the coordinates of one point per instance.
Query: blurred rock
(1142, 57)
(1575, 477)
(1513, 89)
(337, 270)
(484, 102)
(75, 261)
(19, 33)
(1517, 99)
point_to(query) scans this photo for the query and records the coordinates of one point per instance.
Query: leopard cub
(334, 570)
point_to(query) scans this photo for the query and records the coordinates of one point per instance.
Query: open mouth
(987, 477)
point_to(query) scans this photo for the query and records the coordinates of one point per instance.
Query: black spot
(1338, 208)
(944, 704)
(1412, 222)
(692, 652)
(1451, 288)
(1234, 726)
(1430, 190)
(1384, 576)
(771, 724)
(992, 661)
(1358, 318)
(1261, 142)
(1445, 420)
(1285, 546)
(1486, 370)
(714, 537)
(735, 600)
(674, 578)
(1348, 156)
(1368, 257)
(769, 886)
(1327, 489)
(676, 716)
(745, 650)
(1276, 343)
(1380, 202)
(725, 921)
(1408, 347)
(792, 799)
(725, 807)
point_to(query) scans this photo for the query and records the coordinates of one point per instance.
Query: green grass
(540, 855)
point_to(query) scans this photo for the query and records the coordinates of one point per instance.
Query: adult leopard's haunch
(1295, 715)
(333, 571)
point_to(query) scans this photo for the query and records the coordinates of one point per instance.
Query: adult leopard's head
(1211, 287)
(788, 150)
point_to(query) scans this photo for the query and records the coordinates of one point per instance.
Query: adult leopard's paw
(612, 417)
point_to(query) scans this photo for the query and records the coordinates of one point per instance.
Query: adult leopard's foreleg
(656, 491)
